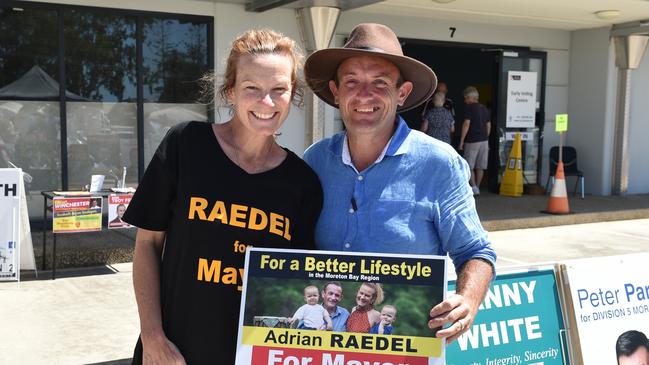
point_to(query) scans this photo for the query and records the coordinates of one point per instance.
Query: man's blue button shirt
(415, 199)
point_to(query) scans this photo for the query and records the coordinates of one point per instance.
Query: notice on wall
(610, 296)
(521, 99)
(561, 123)
(117, 205)
(10, 214)
(282, 308)
(525, 136)
(519, 322)
(73, 215)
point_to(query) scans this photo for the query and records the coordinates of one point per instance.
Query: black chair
(569, 167)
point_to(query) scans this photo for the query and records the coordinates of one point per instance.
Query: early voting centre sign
(521, 99)
(519, 322)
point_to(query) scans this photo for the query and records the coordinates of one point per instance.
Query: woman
(209, 192)
(438, 121)
(363, 316)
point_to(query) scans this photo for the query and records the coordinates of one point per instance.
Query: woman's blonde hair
(378, 292)
(254, 42)
(439, 98)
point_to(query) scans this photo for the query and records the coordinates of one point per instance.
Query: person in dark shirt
(209, 192)
(474, 140)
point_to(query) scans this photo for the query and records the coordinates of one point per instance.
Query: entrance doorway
(485, 67)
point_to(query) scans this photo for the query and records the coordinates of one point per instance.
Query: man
(474, 140)
(332, 294)
(376, 176)
(118, 222)
(632, 348)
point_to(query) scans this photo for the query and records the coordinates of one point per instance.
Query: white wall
(424, 28)
(232, 20)
(556, 102)
(591, 106)
(639, 129)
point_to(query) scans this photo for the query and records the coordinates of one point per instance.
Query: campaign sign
(519, 322)
(521, 99)
(71, 215)
(117, 205)
(10, 185)
(285, 308)
(610, 296)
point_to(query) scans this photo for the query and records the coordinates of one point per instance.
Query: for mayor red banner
(287, 356)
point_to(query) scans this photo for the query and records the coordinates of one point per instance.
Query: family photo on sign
(340, 307)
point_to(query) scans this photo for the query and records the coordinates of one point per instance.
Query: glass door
(519, 107)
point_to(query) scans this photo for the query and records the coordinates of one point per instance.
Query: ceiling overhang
(263, 5)
(630, 28)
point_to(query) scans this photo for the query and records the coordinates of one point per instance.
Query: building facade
(91, 87)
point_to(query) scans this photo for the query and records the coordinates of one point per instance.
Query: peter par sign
(609, 297)
(519, 322)
(10, 185)
(521, 99)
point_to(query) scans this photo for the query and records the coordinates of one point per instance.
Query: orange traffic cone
(558, 203)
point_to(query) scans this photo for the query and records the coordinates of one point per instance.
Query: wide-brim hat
(370, 39)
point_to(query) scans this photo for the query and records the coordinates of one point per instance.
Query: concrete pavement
(86, 316)
(499, 213)
(551, 244)
(89, 316)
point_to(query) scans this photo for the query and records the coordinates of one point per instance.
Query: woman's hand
(161, 351)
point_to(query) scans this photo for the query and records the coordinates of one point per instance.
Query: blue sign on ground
(519, 322)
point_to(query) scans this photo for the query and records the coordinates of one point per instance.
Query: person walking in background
(448, 102)
(438, 121)
(474, 138)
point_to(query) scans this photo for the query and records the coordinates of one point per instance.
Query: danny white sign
(521, 99)
(10, 185)
(518, 323)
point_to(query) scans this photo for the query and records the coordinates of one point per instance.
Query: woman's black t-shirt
(211, 211)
